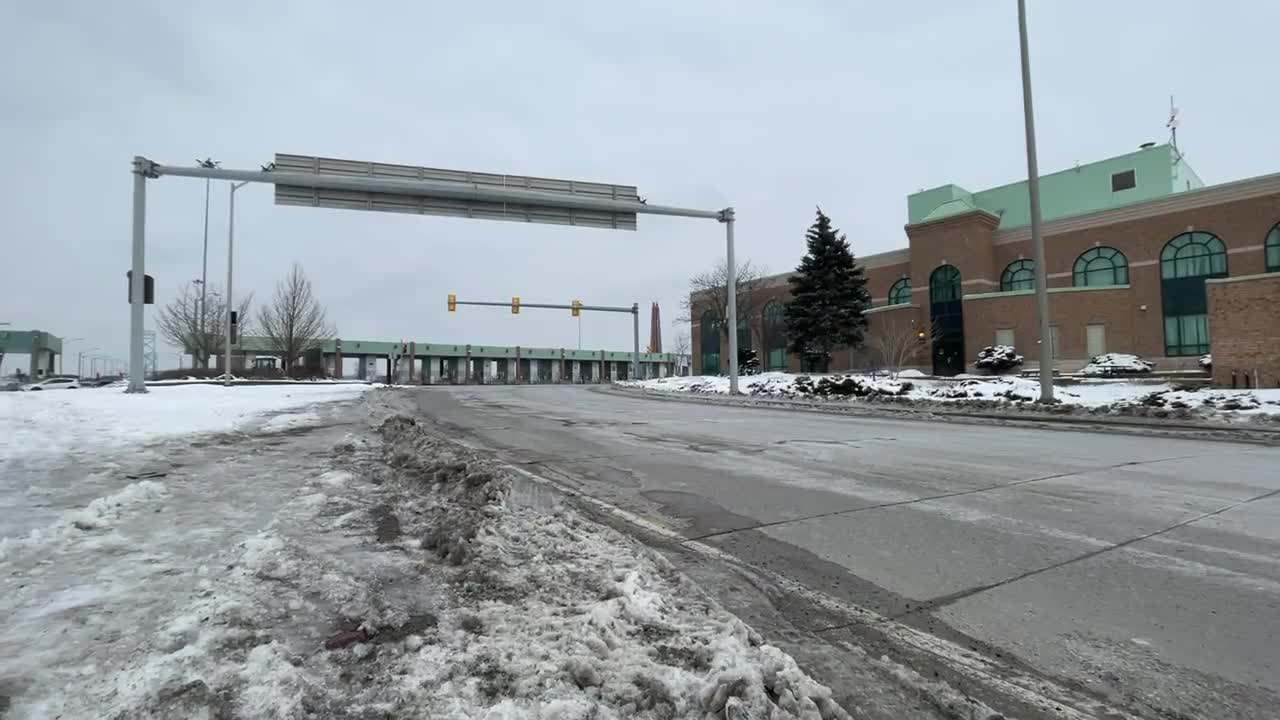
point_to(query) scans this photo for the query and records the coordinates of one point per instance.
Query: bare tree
(295, 321)
(681, 343)
(709, 292)
(897, 342)
(200, 329)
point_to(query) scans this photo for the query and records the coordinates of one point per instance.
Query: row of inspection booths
(433, 363)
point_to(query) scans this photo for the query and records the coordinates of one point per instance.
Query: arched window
(944, 284)
(1185, 262)
(900, 292)
(1099, 267)
(709, 339)
(1273, 249)
(1193, 254)
(1019, 275)
(775, 336)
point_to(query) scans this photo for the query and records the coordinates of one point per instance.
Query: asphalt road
(1143, 571)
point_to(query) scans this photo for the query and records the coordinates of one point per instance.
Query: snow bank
(1101, 396)
(433, 593)
(574, 620)
(94, 419)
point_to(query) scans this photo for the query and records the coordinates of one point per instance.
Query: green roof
(1158, 171)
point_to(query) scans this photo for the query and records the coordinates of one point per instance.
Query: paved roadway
(1145, 570)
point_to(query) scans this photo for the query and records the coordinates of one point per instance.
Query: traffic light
(576, 310)
(453, 302)
(515, 305)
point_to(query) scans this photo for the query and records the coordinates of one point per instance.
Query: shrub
(997, 358)
(1118, 364)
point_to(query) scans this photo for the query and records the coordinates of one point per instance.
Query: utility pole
(731, 284)
(231, 241)
(1037, 240)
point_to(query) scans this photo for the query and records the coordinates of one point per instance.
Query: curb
(1090, 423)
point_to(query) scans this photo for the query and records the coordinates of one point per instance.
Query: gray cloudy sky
(772, 107)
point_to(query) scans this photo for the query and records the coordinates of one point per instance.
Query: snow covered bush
(1206, 362)
(1117, 364)
(837, 385)
(997, 358)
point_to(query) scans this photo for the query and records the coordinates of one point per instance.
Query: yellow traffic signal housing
(515, 305)
(576, 310)
(453, 302)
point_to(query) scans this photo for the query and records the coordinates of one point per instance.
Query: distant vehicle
(96, 382)
(58, 383)
(10, 384)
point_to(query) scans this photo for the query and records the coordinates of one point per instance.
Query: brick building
(1136, 246)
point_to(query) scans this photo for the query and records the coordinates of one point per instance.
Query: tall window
(744, 336)
(709, 338)
(775, 336)
(944, 284)
(1186, 261)
(900, 292)
(1019, 275)
(1099, 267)
(946, 317)
(1273, 249)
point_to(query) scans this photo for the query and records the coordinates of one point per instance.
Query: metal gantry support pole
(1037, 240)
(731, 284)
(635, 318)
(142, 168)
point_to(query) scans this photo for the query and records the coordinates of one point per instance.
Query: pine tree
(829, 296)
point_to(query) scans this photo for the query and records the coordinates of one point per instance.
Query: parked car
(58, 383)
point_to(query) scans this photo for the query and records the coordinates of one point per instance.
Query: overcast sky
(771, 107)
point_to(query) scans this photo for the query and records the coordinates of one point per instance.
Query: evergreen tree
(829, 296)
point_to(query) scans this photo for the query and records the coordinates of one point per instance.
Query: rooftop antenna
(1173, 127)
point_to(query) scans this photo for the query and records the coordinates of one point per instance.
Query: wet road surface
(1142, 571)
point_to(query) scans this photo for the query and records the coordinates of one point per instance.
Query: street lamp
(208, 164)
(1033, 192)
(80, 360)
(65, 343)
(231, 243)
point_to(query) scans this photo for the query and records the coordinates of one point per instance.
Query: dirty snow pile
(77, 420)
(1117, 364)
(411, 578)
(562, 618)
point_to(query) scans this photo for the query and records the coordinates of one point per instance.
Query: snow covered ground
(1110, 395)
(102, 418)
(339, 571)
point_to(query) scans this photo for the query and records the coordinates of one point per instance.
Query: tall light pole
(1037, 240)
(65, 343)
(208, 164)
(231, 244)
(80, 360)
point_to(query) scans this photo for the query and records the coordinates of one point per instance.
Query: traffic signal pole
(516, 305)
